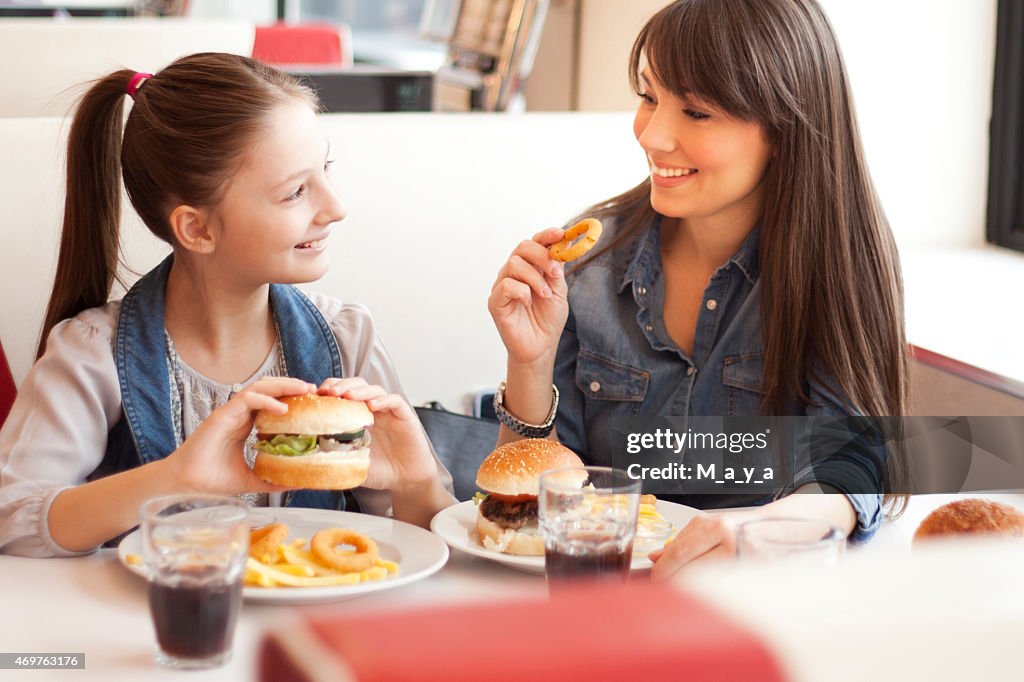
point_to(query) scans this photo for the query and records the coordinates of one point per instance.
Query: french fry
(390, 566)
(279, 577)
(256, 579)
(296, 569)
(373, 573)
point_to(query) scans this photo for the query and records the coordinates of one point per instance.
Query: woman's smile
(670, 176)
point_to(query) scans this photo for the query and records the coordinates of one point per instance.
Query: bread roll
(971, 517)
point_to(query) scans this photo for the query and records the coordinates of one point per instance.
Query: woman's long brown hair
(187, 130)
(831, 288)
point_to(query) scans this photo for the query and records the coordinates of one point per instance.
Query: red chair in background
(303, 44)
(7, 388)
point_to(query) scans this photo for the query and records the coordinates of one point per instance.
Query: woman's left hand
(706, 538)
(400, 455)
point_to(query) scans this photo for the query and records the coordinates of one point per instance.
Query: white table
(876, 622)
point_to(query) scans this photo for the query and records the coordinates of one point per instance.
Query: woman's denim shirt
(616, 361)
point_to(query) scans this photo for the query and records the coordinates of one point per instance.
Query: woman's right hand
(529, 301)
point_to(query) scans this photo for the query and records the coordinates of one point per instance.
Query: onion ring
(324, 545)
(263, 542)
(566, 251)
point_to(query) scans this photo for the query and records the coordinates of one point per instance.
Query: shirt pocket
(741, 378)
(601, 378)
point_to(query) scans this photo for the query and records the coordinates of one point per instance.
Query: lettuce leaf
(283, 444)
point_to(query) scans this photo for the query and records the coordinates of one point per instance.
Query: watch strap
(517, 425)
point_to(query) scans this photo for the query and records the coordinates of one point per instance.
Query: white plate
(457, 526)
(417, 552)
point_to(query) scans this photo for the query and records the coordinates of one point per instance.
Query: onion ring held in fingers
(566, 250)
(324, 545)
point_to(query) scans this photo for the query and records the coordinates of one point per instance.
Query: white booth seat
(436, 202)
(45, 61)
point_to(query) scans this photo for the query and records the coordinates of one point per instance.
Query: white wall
(921, 72)
(47, 64)
(607, 31)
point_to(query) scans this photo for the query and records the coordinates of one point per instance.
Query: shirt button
(649, 328)
(641, 291)
(690, 370)
(237, 388)
(595, 386)
(712, 304)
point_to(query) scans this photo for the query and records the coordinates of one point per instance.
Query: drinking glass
(588, 519)
(195, 549)
(791, 539)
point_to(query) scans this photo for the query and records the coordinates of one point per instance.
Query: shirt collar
(746, 258)
(647, 245)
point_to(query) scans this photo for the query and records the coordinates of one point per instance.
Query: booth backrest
(45, 61)
(436, 203)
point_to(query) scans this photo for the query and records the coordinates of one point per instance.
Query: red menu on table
(640, 631)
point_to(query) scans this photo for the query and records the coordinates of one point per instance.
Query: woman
(753, 272)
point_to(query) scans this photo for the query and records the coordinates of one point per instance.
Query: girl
(222, 158)
(753, 272)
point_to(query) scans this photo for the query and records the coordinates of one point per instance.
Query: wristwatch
(519, 426)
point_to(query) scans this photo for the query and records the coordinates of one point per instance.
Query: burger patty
(512, 515)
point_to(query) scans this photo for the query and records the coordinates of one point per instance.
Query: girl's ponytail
(188, 129)
(90, 235)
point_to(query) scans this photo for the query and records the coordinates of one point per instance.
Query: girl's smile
(314, 245)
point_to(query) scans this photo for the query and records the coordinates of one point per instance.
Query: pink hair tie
(135, 82)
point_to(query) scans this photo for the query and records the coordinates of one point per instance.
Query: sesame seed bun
(515, 468)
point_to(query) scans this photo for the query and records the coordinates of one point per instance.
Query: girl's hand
(529, 300)
(212, 459)
(706, 538)
(400, 455)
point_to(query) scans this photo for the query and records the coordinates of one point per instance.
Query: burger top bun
(972, 516)
(514, 468)
(315, 414)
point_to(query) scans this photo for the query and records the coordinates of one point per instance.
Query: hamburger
(506, 519)
(322, 443)
(971, 517)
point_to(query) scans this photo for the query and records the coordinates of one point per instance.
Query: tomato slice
(512, 499)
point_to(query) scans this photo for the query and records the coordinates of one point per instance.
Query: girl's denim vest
(145, 432)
